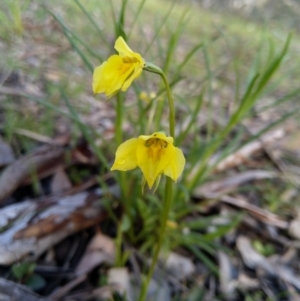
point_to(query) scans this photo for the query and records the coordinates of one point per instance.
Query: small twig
(66, 288)
(36, 136)
(261, 214)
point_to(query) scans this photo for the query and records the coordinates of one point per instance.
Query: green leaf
(196, 294)
(20, 270)
(126, 223)
(36, 282)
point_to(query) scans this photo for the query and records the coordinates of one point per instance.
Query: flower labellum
(119, 71)
(154, 155)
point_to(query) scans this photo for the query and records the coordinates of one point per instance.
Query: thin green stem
(119, 140)
(154, 69)
(119, 120)
(121, 176)
(171, 106)
(168, 189)
(118, 241)
(164, 219)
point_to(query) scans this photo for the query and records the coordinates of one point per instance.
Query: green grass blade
(203, 258)
(174, 39)
(274, 65)
(160, 27)
(92, 21)
(114, 18)
(121, 24)
(85, 130)
(136, 16)
(210, 93)
(76, 37)
(86, 61)
(195, 113)
(281, 100)
(189, 55)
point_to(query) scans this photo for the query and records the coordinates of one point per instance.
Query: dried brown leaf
(100, 249)
(17, 172)
(60, 181)
(232, 182)
(259, 213)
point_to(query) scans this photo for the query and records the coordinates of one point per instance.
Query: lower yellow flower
(154, 155)
(118, 72)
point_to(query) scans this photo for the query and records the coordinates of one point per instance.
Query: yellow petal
(123, 48)
(152, 166)
(118, 71)
(126, 155)
(105, 78)
(154, 154)
(136, 73)
(109, 77)
(159, 135)
(176, 165)
(97, 79)
(126, 52)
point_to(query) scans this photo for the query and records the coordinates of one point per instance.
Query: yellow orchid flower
(154, 155)
(119, 71)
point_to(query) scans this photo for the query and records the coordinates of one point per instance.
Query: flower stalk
(168, 188)
(154, 154)
(158, 247)
(154, 69)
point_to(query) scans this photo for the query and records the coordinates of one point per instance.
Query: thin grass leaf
(235, 65)
(114, 18)
(136, 16)
(174, 39)
(274, 65)
(195, 113)
(189, 55)
(210, 93)
(222, 230)
(92, 21)
(243, 107)
(160, 27)
(85, 130)
(255, 137)
(257, 84)
(196, 294)
(203, 258)
(121, 23)
(198, 223)
(271, 51)
(86, 61)
(255, 63)
(76, 37)
(281, 100)
(70, 38)
(48, 105)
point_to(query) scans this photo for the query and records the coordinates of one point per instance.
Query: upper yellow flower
(118, 72)
(154, 155)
